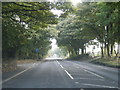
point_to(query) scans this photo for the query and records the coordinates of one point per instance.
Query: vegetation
(87, 22)
(24, 28)
(27, 26)
(112, 62)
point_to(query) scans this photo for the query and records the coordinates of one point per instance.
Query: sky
(74, 2)
(59, 12)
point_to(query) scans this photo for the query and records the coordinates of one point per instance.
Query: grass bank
(81, 57)
(25, 61)
(11, 65)
(111, 62)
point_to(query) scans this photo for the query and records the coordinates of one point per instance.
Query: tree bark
(82, 49)
(111, 52)
(102, 52)
(108, 50)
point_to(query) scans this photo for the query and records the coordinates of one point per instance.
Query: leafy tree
(24, 26)
(90, 21)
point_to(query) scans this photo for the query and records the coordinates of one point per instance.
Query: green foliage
(72, 35)
(97, 20)
(24, 28)
(27, 26)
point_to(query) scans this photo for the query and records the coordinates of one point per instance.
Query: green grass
(113, 62)
(26, 61)
(79, 57)
(11, 65)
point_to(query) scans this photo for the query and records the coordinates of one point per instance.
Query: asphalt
(62, 74)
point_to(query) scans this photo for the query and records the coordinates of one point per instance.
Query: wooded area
(24, 27)
(90, 21)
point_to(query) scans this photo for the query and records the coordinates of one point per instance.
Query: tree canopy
(89, 21)
(30, 25)
(24, 26)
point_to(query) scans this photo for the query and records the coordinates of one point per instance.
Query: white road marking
(93, 73)
(99, 85)
(17, 74)
(34, 64)
(90, 71)
(89, 79)
(69, 74)
(66, 71)
(58, 62)
(62, 66)
(77, 82)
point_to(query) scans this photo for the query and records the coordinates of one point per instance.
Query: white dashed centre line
(69, 74)
(65, 71)
(62, 66)
(58, 62)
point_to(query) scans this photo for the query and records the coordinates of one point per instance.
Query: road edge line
(16, 74)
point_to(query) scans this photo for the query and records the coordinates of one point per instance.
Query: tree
(72, 35)
(24, 26)
(90, 21)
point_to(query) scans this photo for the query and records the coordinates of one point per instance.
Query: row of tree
(26, 26)
(89, 21)
(24, 29)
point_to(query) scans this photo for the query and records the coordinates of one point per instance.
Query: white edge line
(99, 85)
(93, 73)
(68, 74)
(15, 75)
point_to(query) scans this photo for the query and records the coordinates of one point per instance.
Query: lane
(85, 78)
(45, 75)
(108, 72)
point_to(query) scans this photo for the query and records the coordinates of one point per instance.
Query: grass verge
(11, 65)
(80, 57)
(111, 62)
(26, 61)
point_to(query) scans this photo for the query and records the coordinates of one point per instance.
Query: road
(63, 74)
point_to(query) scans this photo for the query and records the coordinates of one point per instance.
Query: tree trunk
(115, 52)
(108, 50)
(82, 49)
(102, 52)
(118, 50)
(111, 52)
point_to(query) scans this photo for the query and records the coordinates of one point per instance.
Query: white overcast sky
(59, 12)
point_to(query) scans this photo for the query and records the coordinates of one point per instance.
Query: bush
(82, 56)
